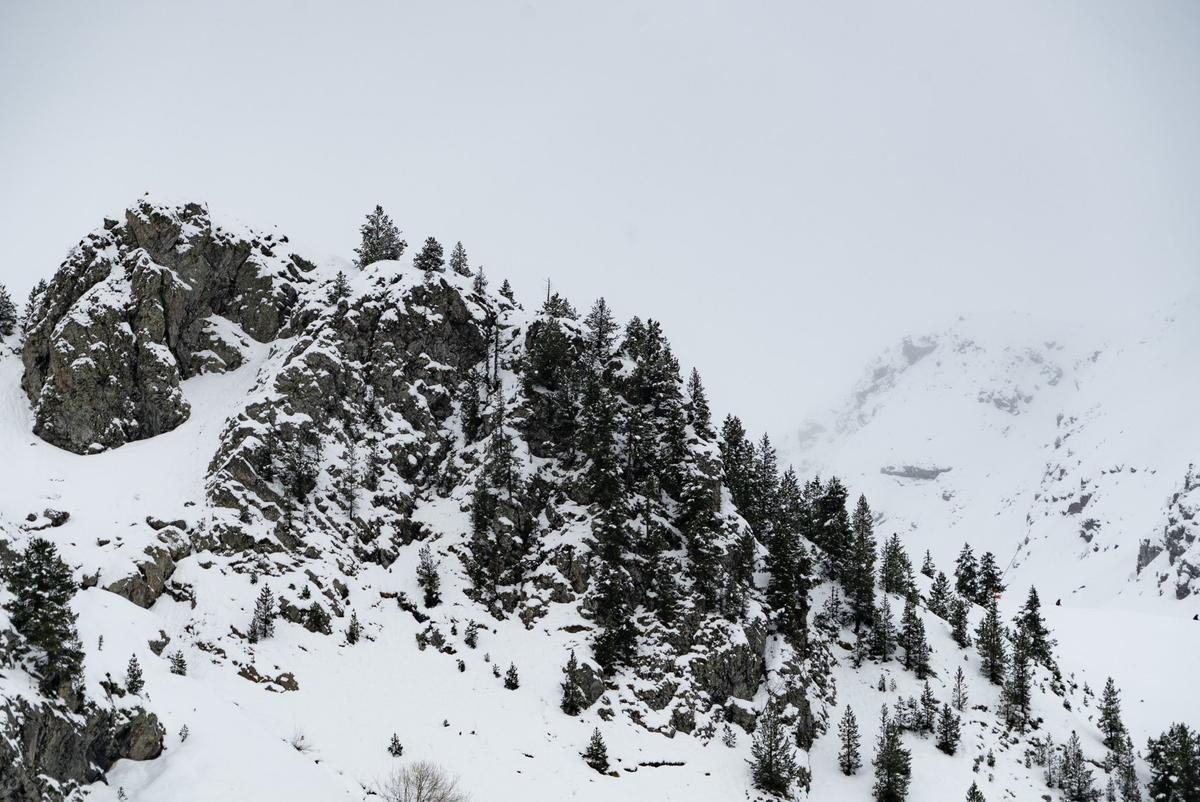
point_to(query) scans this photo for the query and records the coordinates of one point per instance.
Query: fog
(787, 186)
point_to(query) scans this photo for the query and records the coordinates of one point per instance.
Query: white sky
(787, 186)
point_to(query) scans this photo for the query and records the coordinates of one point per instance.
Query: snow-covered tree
(849, 760)
(596, 753)
(1174, 761)
(893, 763)
(773, 766)
(430, 258)
(380, 239)
(512, 680)
(947, 731)
(989, 640)
(1110, 723)
(458, 260)
(262, 624)
(133, 676)
(572, 697)
(427, 577)
(40, 610)
(8, 313)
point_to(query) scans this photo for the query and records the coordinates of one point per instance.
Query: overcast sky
(787, 186)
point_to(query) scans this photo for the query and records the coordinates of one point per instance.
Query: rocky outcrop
(140, 305)
(1178, 541)
(149, 580)
(45, 751)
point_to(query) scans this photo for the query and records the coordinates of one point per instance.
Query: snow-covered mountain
(197, 414)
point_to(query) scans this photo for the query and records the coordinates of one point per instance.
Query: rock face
(45, 752)
(140, 305)
(1177, 544)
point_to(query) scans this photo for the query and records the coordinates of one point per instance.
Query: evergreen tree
(178, 663)
(429, 259)
(380, 239)
(895, 569)
(480, 284)
(989, 578)
(927, 566)
(42, 587)
(892, 763)
(340, 289)
(262, 625)
(774, 763)
(940, 596)
(974, 794)
(1077, 777)
(989, 640)
(1030, 621)
(616, 637)
(512, 680)
(1126, 769)
(395, 748)
(912, 639)
(966, 574)
(354, 631)
(596, 754)
(1018, 691)
(737, 455)
(1111, 725)
(1174, 761)
(572, 697)
(506, 292)
(427, 577)
(959, 694)
(959, 628)
(830, 526)
(883, 639)
(701, 415)
(600, 337)
(8, 313)
(947, 731)
(133, 676)
(849, 760)
(458, 260)
(859, 577)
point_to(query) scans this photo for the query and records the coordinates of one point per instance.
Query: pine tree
(133, 676)
(354, 631)
(989, 578)
(600, 336)
(966, 574)
(883, 640)
(480, 284)
(774, 763)
(940, 596)
(989, 640)
(959, 694)
(380, 239)
(42, 587)
(429, 259)
(912, 639)
(927, 566)
(1111, 725)
(1126, 769)
(1030, 621)
(572, 697)
(506, 291)
(1174, 761)
(1017, 694)
(427, 577)
(1077, 777)
(892, 762)
(596, 753)
(701, 415)
(458, 260)
(859, 577)
(947, 731)
(849, 760)
(895, 569)
(178, 663)
(395, 748)
(616, 638)
(262, 625)
(974, 794)
(512, 680)
(8, 313)
(928, 717)
(340, 288)
(959, 629)
(737, 455)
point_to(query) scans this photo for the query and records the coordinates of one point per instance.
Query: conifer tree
(859, 577)
(895, 569)
(892, 762)
(959, 695)
(927, 566)
(8, 313)
(1030, 621)
(430, 258)
(458, 260)
(572, 697)
(354, 631)
(1077, 777)
(427, 577)
(912, 639)
(947, 731)
(701, 415)
(1174, 761)
(133, 676)
(966, 574)
(480, 284)
(929, 710)
(395, 748)
(831, 526)
(959, 629)
(380, 239)
(600, 336)
(512, 680)
(1017, 694)
(940, 596)
(737, 455)
(616, 639)
(1127, 781)
(774, 763)
(340, 288)
(178, 663)
(989, 578)
(40, 611)
(596, 753)
(506, 291)
(849, 760)
(883, 640)
(989, 640)
(1111, 725)
(974, 794)
(262, 625)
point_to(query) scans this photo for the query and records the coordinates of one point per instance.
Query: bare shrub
(300, 742)
(422, 781)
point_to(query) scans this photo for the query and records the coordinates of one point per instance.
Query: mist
(787, 187)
